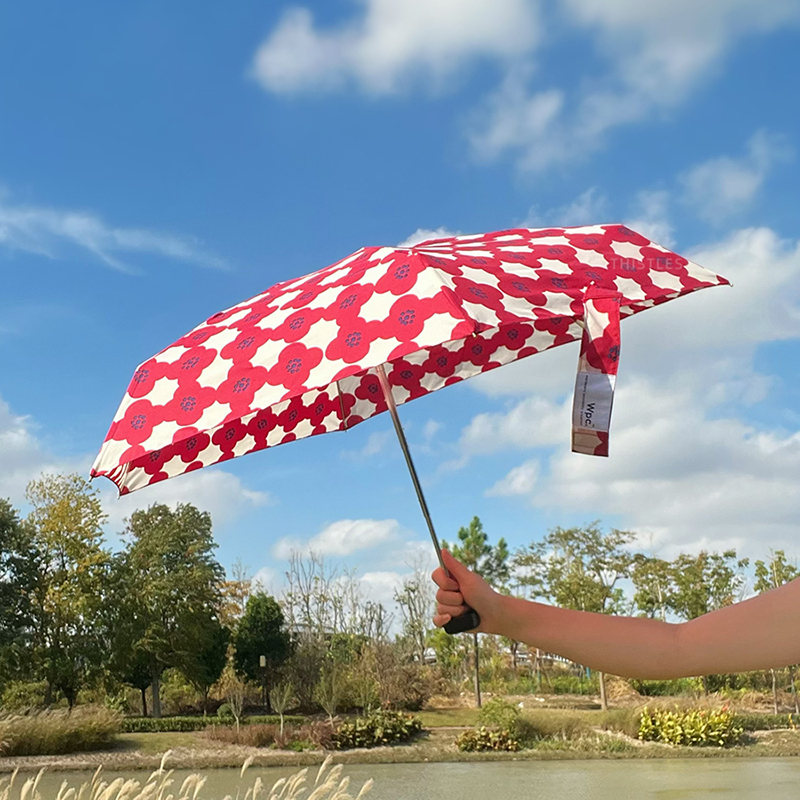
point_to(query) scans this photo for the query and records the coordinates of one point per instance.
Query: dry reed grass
(328, 785)
(51, 732)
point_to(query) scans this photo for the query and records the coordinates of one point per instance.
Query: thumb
(455, 567)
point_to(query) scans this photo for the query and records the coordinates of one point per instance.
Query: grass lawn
(448, 717)
(152, 743)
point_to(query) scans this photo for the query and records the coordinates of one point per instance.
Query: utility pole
(262, 662)
(477, 673)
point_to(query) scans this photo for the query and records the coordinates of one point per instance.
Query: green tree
(235, 591)
(490, 562)
(18, 571)
(66, 522)
(205, 665)
(704, 583)
(261, 632)
(122, 630)
(770, 575)
(170, 581)
(136, 672)
(579, 568)
(652, 584)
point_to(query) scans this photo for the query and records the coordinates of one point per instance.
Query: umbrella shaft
(387, 393)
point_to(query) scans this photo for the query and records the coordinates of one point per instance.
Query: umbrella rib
(341, 405)
(387, 393)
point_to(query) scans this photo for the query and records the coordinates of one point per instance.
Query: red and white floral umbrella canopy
(300, 358)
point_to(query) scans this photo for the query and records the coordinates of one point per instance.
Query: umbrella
(383, 326)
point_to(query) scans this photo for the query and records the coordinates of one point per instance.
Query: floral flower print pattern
(299, 358)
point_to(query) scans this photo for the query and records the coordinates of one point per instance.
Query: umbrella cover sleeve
(597, 373)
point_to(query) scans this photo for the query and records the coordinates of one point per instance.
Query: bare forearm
(626, 646)
(758, 633)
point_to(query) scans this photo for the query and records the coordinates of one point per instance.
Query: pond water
(668, 779)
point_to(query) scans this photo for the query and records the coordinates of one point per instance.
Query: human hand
(464, 588)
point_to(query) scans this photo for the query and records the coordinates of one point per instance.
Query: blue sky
(161, 162)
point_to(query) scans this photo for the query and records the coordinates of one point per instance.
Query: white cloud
(24, 457)
(376, 442)
(380, 586)
(648, 214)
(589, 208)
(429, 431)
(533, 422)
(684, 467)
(342, 538)
(655, 55)
(761, 306)
(724, 186)
(268, 580)
(425, 234)
(688, 478)
(520, 481)
(650, 57)
(650, 217)
(54, 232)
(391, 44)
(220, 493)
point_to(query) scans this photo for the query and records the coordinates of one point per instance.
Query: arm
(758, 633)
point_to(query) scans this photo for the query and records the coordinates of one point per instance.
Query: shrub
(189, 724)
(18, 695)
(500, 714)
(767, 722)
(672, 688)
(404, 685)
(694, 727)
(625, 720)
(225, 711)
(483, 738)
(295, 737)
(272, 719)
(548, 723)
(250, 735)
(56, 732)
(318, 733)
(585, 743)
(375, 729)
(164, 724)
(572, 684)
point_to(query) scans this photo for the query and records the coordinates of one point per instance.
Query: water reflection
(668, 779)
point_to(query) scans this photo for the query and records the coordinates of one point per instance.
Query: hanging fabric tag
(597, 373)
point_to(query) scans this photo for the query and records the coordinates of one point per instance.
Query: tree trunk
(477, 673)
(705, 685)
(794, 691)
(144, 702)
(774, 691)
(603, 699)
(48, 694)
(538, 670)
(156, 687)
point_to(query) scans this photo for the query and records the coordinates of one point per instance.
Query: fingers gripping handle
(467, 621)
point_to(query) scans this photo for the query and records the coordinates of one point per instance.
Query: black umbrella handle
(469, 619)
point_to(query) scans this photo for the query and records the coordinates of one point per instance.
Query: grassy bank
(564, 734)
